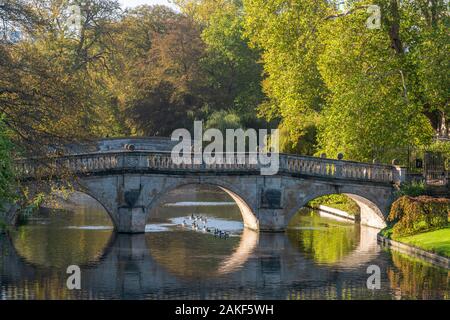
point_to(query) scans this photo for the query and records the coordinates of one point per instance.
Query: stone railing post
(399, 174)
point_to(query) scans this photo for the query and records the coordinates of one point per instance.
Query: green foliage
(415, 215)
(7, 180)
(440, 146)
(370, 90)
(327, 70)
(413, 189)
(231, 66)
(30, 206)
(54, 88)
(304, 145)
(329, 83)
(386, 232)
(286, 33)
(337, 201)
(223, 120)
(324, 245)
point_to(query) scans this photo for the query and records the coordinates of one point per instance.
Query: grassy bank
(437, 241)
(422, 222)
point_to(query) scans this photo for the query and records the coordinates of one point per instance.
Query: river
(318, 258)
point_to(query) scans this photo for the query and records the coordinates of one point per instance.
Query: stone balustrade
(337, 168)
(92, 163)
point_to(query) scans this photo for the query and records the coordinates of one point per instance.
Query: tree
(370, 111)
(428, 44)
(233, 73)
(287, 32)
(6, 170)
(367, 93)
(161, 85)
(52, 86)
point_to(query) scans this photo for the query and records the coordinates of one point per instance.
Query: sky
(134, 3)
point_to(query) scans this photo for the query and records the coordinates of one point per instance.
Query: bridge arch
(246, 208)
(98, 198)
(372, 213)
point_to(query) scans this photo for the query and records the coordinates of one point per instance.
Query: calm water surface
(318, 258)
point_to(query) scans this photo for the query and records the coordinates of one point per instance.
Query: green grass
(437, 241)
(387, 232)
(337, 201)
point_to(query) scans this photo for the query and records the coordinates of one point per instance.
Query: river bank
(333, 213)
(433, 246)
(415, 251)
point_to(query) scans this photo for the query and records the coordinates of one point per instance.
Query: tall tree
(160, 85)
(371, 112)
(287, 34)
(369, 92)
(51, 89)
(232, 68)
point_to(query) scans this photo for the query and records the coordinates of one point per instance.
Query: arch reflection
(77, 233)
(191, 255)
(275, 270)
(332, 242)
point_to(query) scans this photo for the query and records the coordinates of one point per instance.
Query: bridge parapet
(338, 169)
(142, 161)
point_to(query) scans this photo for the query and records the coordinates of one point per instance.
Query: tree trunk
(394, 32)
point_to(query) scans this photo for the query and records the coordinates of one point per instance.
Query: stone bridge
(130, 182)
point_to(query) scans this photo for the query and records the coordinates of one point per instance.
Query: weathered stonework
(245, 190)
(130, 184)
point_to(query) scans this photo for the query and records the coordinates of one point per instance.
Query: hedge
(420, 214)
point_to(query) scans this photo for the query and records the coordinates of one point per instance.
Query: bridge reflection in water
(321, 259)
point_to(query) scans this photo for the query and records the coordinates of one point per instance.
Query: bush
(386, 232)
(224, 120)
(414, 215)
(413, 189)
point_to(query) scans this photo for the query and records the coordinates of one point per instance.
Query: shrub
(223, 120)
(415, 215)
(412, 189)
(337, 201)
